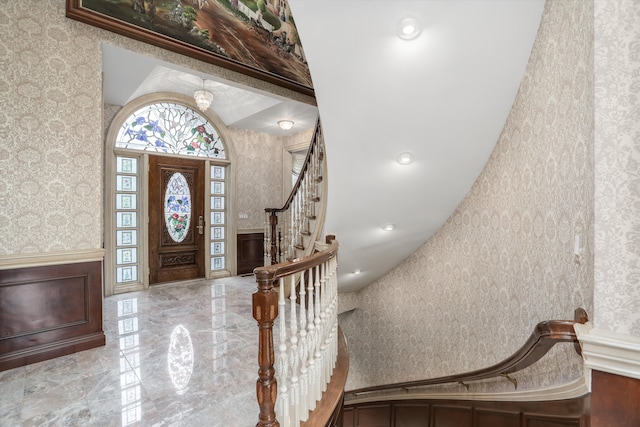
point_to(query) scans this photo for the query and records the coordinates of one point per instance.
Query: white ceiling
(444, 97)
(237, 106)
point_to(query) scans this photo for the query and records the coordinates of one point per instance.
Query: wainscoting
(49, 311)
(614, 400)
(460, 413)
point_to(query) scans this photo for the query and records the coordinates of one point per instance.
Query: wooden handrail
(545, 335)
(309, 172)
(307, 161)
(270, 273)
(265, 310)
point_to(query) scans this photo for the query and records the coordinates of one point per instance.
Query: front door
(176, 219)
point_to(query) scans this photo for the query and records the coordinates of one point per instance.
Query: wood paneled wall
(49, 311)
(461, 413)
(615, 400)
(250, 252)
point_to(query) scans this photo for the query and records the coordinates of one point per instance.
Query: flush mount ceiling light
(203, 98)
(389, 227)
(285, 124)
(405, 158)
(408, 28)
(357, 272)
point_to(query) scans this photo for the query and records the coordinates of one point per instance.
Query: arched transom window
(170, 128)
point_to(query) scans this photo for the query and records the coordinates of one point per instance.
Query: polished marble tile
(180, 354)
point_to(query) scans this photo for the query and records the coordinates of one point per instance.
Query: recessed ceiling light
(408, 28)
(357, 272)
(389, 227)
(405, 158)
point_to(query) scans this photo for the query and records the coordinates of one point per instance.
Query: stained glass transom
(177, 208)
(170, 128)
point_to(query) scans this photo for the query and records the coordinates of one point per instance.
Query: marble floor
(176, 355)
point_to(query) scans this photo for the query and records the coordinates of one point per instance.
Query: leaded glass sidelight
(177, 207)
(218, 217)
(126, 219)
(170, 128)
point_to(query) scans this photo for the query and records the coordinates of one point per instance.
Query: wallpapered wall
(617, 154)
(51, 137)
(259, 182)
(472, 294)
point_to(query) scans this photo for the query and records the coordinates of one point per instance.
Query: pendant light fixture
(203, 98)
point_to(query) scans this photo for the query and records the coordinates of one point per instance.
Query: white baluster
(299, 216)
(302, 352)
(311, 334)
(333, 262)
(267, 241)
(292, 249)
(283, 364)
(323, 324)
(293, 357)
(318, 337)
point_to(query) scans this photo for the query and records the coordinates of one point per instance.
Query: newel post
(265, 311)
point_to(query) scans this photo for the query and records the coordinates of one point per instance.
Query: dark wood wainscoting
(250, 252)
(615, 400)
(49, 311)
(463, 413)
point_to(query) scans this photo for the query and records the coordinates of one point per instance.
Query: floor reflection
(176, 355)
(180, 358)
(129, 341)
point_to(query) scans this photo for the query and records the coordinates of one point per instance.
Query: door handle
(200, 224)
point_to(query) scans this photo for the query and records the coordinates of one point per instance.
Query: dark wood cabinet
(250, 252)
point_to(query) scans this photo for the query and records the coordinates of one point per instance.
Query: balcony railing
(297, 301)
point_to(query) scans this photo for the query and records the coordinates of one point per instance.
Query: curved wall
(504, 261)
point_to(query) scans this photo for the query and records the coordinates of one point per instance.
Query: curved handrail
(299, 210)
(270, 273)
(305, 166)
(544, 336)
(321, 313)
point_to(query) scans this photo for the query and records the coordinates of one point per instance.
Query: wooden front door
(176, 219)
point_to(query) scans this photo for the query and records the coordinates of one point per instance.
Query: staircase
(290, 231)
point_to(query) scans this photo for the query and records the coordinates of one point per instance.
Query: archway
(154, 221)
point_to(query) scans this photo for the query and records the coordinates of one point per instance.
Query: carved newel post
(265, 311)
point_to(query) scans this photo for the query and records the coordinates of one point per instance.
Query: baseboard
(51, 351)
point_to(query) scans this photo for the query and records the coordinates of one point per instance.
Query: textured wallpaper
(50, 132)
(504, 261)
(259, 179)
(51, 136)
(617, 154)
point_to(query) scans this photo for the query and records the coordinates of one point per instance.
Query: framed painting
(254, 37)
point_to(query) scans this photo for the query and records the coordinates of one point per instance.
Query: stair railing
(544, 336)
(302, 295)
(287, 227)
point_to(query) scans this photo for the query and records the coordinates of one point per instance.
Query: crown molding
(608, 351)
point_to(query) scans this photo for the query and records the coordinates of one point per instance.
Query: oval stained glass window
(177, 207)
